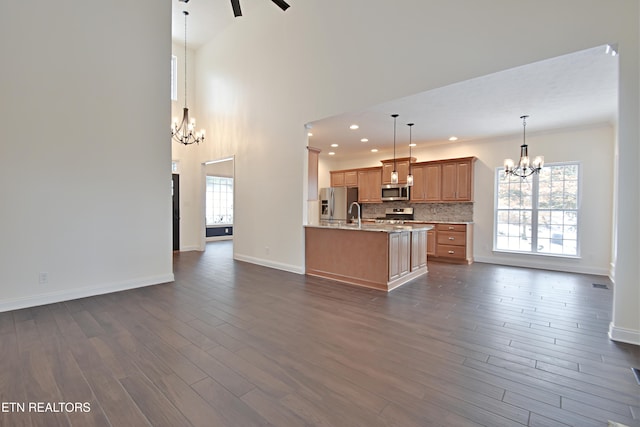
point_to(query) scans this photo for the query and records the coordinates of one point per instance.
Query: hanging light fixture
(184, 132)
(410, 175)
(394, 174)
(524, 168)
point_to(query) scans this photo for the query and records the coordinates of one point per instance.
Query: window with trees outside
(539, 214)
(219, 200)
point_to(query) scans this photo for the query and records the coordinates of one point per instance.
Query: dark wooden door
(175, 197)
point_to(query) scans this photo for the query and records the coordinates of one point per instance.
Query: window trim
(174, 78)
(499, 174)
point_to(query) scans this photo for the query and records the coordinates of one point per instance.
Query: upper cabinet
(457, 183)
(346, 178)
(448, 180)
(402, 167)
(426, 182)
(369, 182)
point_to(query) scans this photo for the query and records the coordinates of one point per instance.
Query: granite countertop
(425, 221)
(384, 228)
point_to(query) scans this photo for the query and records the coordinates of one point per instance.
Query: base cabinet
(399, 254)
(431, 242)
(371, 258)
(450, 243)
(453, 243)
(418, 249)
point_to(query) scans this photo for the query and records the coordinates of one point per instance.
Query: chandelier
(524, 168)
(183, 132)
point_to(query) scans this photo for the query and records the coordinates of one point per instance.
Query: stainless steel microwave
(393, 192)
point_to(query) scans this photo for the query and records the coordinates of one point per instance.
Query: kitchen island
(378, 256)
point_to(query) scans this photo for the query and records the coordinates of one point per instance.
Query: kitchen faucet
(359, 217)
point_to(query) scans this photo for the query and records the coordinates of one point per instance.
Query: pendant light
(410, 175)
(184, 132)
(394, 174)
(524, 168)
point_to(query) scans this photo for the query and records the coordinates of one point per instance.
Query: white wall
(85, 155)
(268, 74)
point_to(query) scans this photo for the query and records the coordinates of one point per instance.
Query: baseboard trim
(271, 264)
(543, 265)
(71, 294)
(218, 238)
(628, 336)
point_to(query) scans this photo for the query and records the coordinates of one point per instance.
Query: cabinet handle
(451, 252)
(452, 238)
(451, 228)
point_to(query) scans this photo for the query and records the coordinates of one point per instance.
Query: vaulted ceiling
(568, 91)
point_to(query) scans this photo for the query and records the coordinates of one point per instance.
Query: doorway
(219, 196)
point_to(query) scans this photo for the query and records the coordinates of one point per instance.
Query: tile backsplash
(450, 212)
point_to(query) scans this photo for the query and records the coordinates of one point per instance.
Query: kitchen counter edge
(384, 228)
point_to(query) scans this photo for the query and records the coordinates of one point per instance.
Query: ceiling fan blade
(282, 4)
(236, 8)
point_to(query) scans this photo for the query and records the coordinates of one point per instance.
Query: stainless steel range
(395, 216)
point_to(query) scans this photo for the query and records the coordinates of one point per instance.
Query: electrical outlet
(267, 250)
(43, 278)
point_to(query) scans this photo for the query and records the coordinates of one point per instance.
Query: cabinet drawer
(450, 251)
(451, 227)
(454, 238)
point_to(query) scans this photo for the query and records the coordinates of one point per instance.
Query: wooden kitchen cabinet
(448, 180)
(337, 178)
(431, 243)
(351, 178)
(369, 182)
(453, 243)
(402, 167)
(457, 183)
(399, 254)
(426, 182)
(418, 249)
(348, 178)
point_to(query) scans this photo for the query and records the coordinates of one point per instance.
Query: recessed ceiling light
(354, 127)
(331, 153)
(374, 150)
(453, 138)
(334, 145)
(364, 140)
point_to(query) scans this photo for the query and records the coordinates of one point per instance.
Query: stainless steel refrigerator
(335, 202)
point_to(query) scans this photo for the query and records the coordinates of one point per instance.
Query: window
(174, 78)
(538, 214)
(219, 200)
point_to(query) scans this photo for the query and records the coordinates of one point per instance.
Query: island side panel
(350, 256)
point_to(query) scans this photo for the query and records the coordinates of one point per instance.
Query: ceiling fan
(237, 12)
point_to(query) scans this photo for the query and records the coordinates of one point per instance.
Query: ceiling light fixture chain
(184, 132)
(410, 175)
(394, 174)
(185, 56)
(524, 168)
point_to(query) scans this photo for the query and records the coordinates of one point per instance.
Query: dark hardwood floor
(235, 344)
